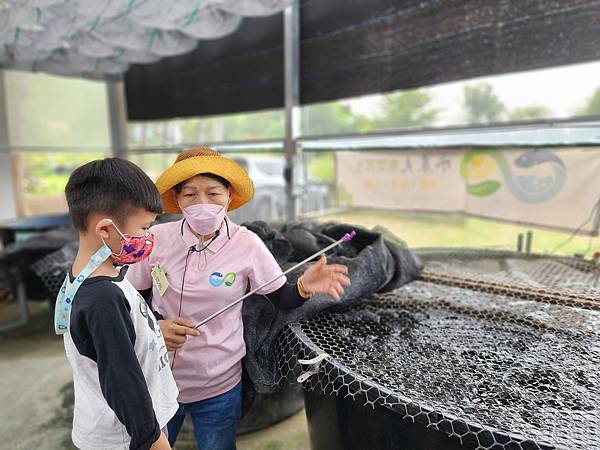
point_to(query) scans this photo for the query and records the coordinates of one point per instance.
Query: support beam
(117, 117)
(8, 202)
(8, 206)
(291, 18)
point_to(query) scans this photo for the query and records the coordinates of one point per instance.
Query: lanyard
(191, 250)
(64, 300)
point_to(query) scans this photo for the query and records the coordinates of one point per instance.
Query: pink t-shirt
(210, 364)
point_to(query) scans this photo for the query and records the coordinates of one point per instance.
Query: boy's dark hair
(179, 187)
(110, 186)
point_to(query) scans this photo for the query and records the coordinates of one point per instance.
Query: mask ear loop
(117, 228)
(118, 231)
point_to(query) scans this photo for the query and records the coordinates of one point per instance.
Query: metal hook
(316, 364)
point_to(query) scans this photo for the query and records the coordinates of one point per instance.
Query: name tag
(160, 279)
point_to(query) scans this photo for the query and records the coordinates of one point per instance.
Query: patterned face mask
(133, 248)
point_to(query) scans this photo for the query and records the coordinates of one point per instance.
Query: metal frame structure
(117, 116)
(291, 18)
(554, 133)
(9, 207)
(569, 132)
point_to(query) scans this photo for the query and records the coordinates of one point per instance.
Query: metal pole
(117, 117)
(346, 238)
(291, 47)
(529, 242)
(8, 206)
(520, 242)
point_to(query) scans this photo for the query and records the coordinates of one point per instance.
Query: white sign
(544, 187)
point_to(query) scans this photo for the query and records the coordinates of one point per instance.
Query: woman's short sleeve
(263, 268)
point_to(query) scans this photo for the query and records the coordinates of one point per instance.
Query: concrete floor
(35, 394)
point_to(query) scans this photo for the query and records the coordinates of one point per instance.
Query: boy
(124, 391)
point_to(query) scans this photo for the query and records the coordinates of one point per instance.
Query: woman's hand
(323, 278)
(176, 332)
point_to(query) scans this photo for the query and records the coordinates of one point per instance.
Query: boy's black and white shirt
(124, 390)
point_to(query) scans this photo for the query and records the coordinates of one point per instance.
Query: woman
(200, 264)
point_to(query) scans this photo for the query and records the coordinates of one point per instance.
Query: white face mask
(205, 218)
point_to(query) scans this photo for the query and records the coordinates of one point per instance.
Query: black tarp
(358, 47)
(375, 264)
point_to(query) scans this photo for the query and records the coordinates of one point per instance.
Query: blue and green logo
(478, 168)
(217, 279)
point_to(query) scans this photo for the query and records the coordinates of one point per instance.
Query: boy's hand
(176, 331)
(162, 443)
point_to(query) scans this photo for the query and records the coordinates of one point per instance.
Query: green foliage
(406, 109)
(433, 230)
(260, 125)
(321, 167)
(529, 112)
(592, 108)
(332, 118)
(344, 197)
(481, 104)
(46, 174)
(55, 111)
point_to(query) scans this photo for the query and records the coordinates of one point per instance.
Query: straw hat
(198, 160)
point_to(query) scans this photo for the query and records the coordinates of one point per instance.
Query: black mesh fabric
(354, 47)
(374, 265)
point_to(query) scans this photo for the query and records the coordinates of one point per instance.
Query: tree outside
(529, 112)
(407, 109)
(481, 104)
(592, 108)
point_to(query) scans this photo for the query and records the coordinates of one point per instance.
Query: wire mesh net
(565, 274)
(492, 370)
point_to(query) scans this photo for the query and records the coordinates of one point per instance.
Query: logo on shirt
(147, 314)
(217, 279)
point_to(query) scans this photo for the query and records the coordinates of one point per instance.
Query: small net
(495, 364)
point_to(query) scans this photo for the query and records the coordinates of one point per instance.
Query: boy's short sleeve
(263, 267)
(139, 276)
(102, 330)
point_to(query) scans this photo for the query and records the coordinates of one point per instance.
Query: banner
(555, 188)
